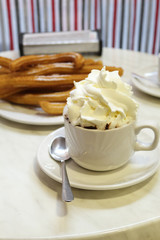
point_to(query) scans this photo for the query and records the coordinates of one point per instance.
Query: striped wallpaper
(127, 24)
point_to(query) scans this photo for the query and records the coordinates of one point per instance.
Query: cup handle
(147, 146)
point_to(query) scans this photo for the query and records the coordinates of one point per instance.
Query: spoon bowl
(58, 149)
(59, 152)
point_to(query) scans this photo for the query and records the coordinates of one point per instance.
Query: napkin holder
(85, 42)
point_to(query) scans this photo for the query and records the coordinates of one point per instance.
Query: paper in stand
(85, 42)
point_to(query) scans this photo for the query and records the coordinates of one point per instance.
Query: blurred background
(126, 24)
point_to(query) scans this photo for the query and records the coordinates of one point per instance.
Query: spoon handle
(67, 194)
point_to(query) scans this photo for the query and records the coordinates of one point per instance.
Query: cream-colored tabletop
(30, 201)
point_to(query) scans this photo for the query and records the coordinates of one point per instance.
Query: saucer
(149, 87)
(140, 167)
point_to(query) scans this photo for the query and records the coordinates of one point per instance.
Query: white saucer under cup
(151, 73)
(141, 166)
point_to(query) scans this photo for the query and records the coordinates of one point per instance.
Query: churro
(90, 61)
(49, 89)
(63, 68)
(57, 68)
(34, 99)
(26, 61)
(5, 62)
(111, 69)
(52, 108)
(39, 81)
(8, 91)
(4, 70)
(46, 69)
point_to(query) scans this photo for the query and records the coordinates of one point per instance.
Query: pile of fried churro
(45, 80)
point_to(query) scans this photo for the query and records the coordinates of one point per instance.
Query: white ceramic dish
(150, 73)
(27, 115)
(142, 166)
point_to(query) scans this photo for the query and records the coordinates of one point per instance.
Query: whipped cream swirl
(102, 101)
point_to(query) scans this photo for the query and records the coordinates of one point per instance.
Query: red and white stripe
(155, 47)
(125, 25)
(145, 24)
(7, 43)
(104, 23)
(136, 36)
(86, 15)
(30, 22)
(98, 21)
(114, 23)
(21, 14)
(49, 15)
(132, 23)
(53, 16)
(42, 15)
(57, 15)
(93, 15)
(71, 16)
(64, 15)
(35, 16)
(151, 27)
(12, 24)
(75, 15)
(79, 14)
(32, 15)
(157, 44)
(110, 32)
(117, 23)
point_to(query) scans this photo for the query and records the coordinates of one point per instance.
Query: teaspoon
(59, 152)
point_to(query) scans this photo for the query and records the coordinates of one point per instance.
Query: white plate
(27, 115)
(142, 166)
(149, 73)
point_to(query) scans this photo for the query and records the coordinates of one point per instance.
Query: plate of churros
(34, 88)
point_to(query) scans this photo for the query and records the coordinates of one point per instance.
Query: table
(30, 202)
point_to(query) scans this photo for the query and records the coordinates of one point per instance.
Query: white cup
(102, 150)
